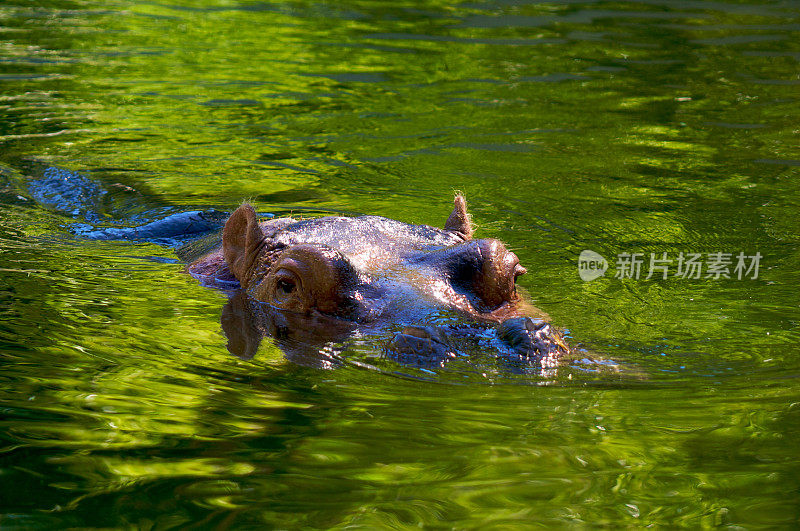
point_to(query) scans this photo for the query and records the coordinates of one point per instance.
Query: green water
(649, 127)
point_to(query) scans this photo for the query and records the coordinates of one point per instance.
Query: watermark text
(714, 265)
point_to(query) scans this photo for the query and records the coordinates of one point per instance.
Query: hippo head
(322, 279)
(364, 268)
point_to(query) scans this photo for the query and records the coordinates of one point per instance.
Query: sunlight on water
(618, 128)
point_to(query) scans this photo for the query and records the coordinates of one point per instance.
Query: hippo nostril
(519, 270)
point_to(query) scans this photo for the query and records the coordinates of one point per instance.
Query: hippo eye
(285, 282)
(307, 278)
(285, 285)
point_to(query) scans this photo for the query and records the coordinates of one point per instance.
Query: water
(645, 127)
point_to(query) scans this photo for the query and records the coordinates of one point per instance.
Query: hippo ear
(460, 221)
(241, 241)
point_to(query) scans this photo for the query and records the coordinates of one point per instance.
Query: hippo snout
(499, 271)
(531, 337)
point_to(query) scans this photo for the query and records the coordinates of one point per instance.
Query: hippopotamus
(317, 286)
(319, 281)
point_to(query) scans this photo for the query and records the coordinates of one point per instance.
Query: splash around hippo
(332, 276)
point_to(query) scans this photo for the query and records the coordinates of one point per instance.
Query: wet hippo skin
(325, 278)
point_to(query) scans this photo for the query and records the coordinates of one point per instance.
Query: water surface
(644, 127)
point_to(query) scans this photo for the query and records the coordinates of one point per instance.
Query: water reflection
(446, 351)
(311, 341)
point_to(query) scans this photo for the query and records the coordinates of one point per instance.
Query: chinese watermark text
(714, 265)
